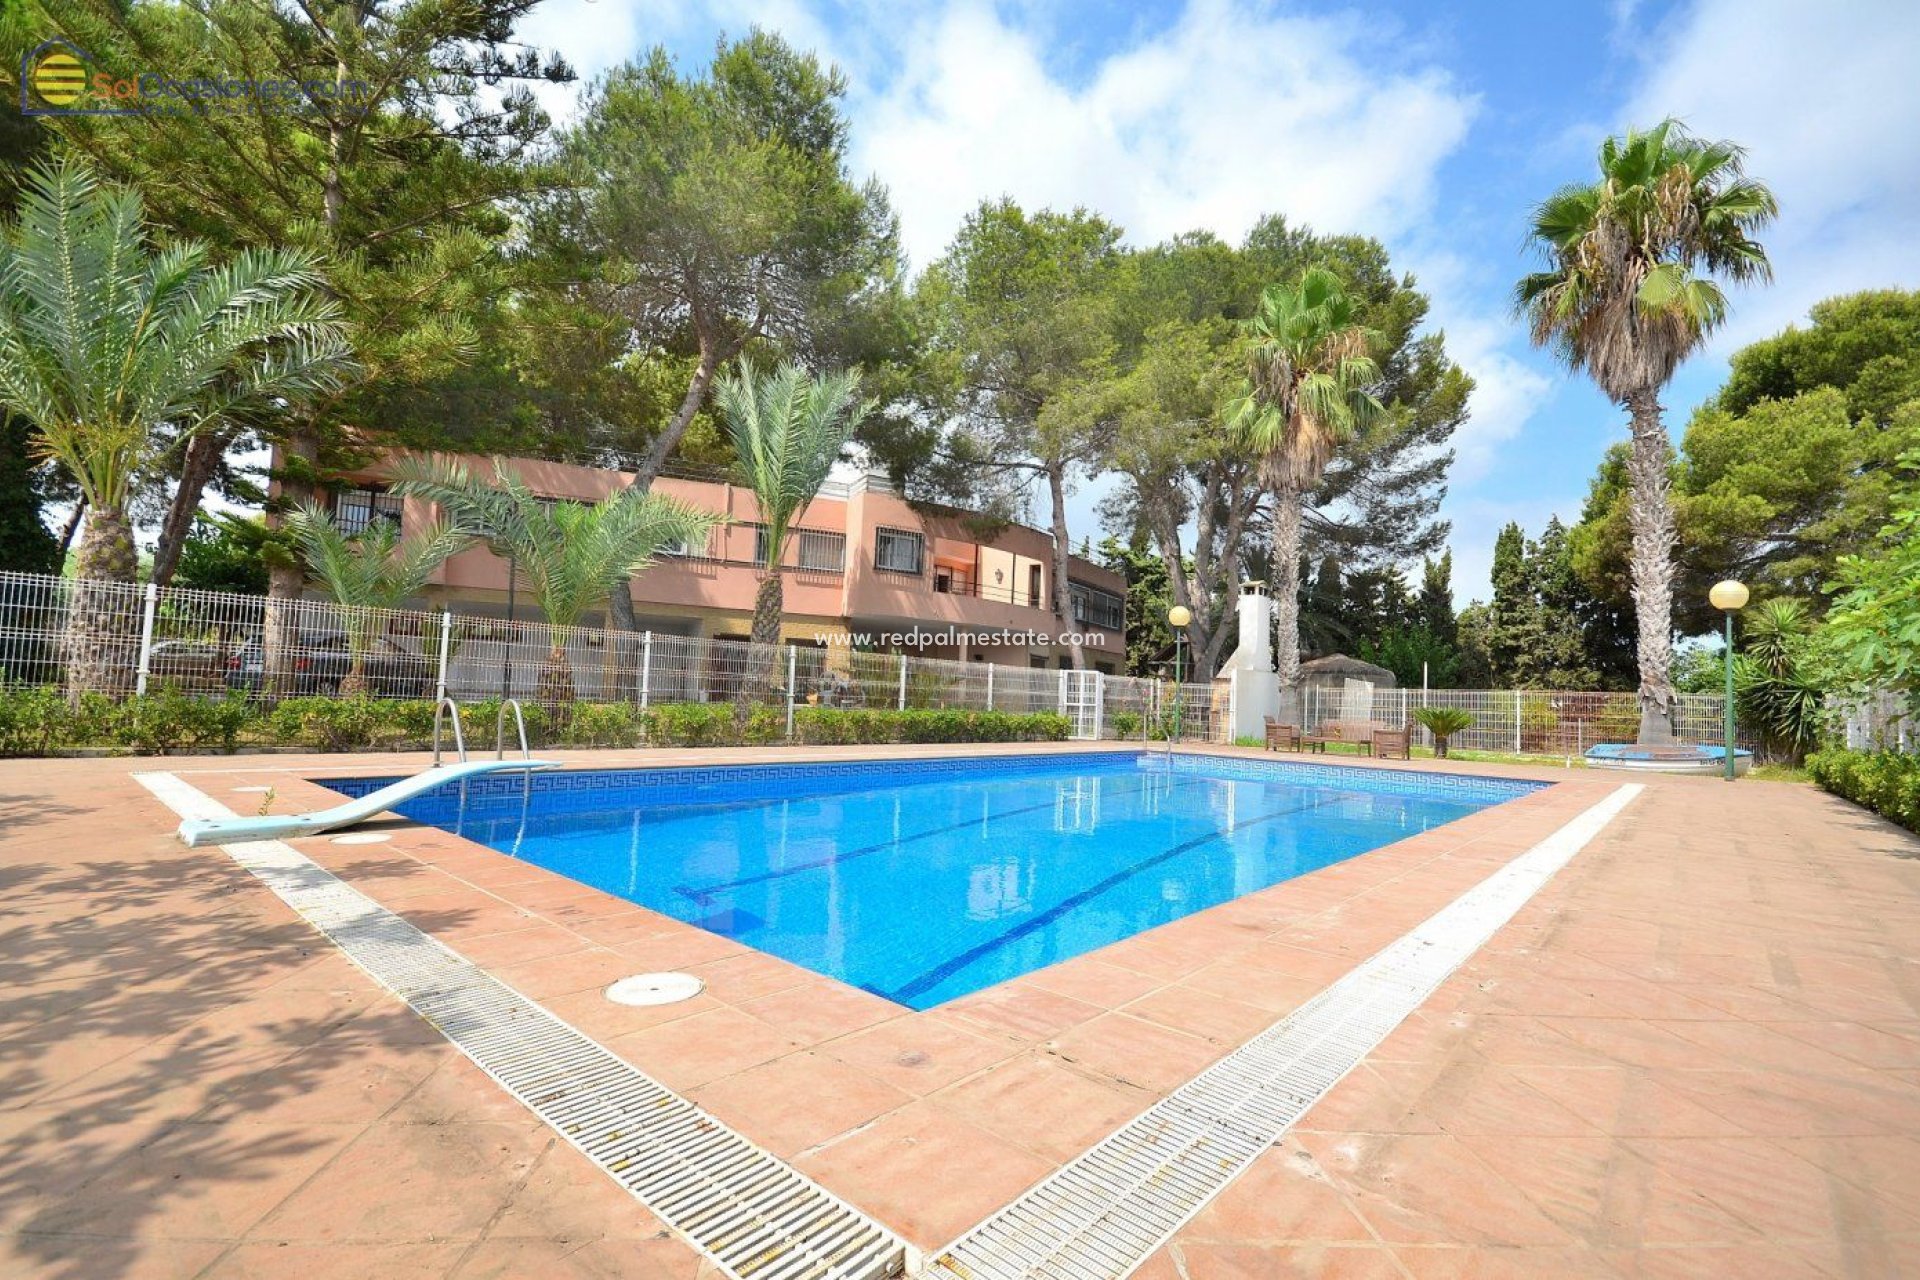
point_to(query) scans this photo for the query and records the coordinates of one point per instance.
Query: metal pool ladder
(500, 730)
(447, 704)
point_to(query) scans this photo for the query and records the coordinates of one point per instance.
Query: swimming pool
(924, 880)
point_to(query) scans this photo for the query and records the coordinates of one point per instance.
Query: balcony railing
(961, 585)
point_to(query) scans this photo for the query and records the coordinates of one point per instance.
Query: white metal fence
(1518, 721)
(1879, 722)
(123, 639)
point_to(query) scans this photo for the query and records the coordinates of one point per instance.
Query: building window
(898, 551)
(1033, 586)
(821, 551)
(759, 543)
(355, 509)
(1100, 608)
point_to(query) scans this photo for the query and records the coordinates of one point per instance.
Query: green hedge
(40, 722)
(1886, 782)
(834, 725)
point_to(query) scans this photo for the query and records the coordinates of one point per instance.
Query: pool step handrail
(195, 832)
(447, 704)
(500, 731)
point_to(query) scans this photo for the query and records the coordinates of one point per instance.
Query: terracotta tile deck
(1695, 1052)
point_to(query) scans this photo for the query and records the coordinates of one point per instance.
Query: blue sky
(1433, 128)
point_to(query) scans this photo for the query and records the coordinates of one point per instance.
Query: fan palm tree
(571, 554)
(1309, 363)
(788, 428)
(1627, 294)
(368, 572)
(104, 341)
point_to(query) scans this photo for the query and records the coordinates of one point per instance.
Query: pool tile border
(466, 893)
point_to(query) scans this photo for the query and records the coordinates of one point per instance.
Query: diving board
(195, 832)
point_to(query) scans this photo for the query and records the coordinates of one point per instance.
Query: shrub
(605, 724)
(1126, 724)
(167, 720)
(842, 726)
(1884, 781)
(36, 722)
(1443, 723)
(334, 724)
(689, 724)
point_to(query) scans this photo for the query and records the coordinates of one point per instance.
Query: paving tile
(1225, 1021)
(1021, 1011)
(1044, 1105)
(402, 1182)
(689, 1052)
(1422, 1188)
(1136, 1052)
(919, 1055)
(887, 1168)
(821, 1010)
(799, 1101)
(274, 1259)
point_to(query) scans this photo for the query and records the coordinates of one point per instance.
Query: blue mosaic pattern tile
(572, 789)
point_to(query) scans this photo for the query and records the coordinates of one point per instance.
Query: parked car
(320, 663)
(192, 666)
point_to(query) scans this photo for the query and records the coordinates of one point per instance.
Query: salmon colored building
(863, 567)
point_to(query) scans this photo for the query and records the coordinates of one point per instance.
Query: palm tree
(104, 341)
(368, 572)
(571, 554)
(788, 428)
(1309, 365)
(1628, 294)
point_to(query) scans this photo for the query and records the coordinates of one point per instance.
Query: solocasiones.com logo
(58, 78)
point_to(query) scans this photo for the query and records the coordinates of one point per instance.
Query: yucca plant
(1775, 690)
(105, 341)
(1309, 364)
(570, 554)
(367, 572)
(1443, 723)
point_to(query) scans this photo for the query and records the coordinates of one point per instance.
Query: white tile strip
(1104, 1214)
(753, 1215)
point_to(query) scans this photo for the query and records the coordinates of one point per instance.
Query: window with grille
(821, 551)
(898, 551)
(355, 509)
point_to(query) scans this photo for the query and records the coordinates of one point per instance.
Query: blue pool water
(922, 881)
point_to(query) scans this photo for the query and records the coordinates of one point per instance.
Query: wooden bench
(1380, 740)
(1282, 737)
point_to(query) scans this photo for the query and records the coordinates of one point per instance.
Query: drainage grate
(755, 1216)
(1101, 1216)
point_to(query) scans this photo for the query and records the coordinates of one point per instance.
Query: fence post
(792, 662)
(903, 682)
(1233, 705)
(146, 636)
(646, 668)
(990, 667)
(1518, 697)
(1099, 705)
(446, 644)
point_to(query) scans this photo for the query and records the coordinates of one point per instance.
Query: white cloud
(1825, 99)
(1228, 115)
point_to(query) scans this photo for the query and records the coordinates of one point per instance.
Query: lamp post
(1178, 617)
(1729, 597)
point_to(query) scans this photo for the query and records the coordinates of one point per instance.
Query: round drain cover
(655, 988)
(363, 837)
